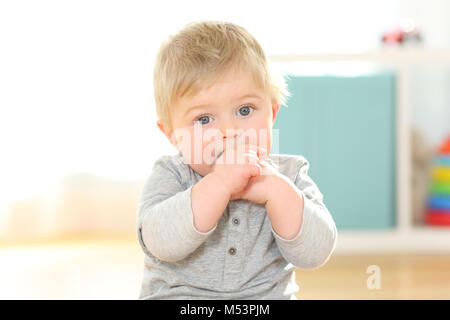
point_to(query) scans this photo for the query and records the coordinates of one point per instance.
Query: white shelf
(413, 240)
(404, 238)
(384, 56)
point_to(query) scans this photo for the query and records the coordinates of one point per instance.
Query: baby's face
(216, 117)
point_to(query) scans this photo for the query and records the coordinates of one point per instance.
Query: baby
(224, 218)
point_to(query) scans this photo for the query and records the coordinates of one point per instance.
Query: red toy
(405, 32)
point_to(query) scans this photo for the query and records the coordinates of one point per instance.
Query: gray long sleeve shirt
(242, 257)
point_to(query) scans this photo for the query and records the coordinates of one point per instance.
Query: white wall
(430, 100)
(433, 17)
(430, 103)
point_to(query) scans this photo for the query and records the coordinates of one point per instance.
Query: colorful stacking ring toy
(438, 205)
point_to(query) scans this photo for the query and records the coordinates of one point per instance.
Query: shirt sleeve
(316, 240)
(165, 225)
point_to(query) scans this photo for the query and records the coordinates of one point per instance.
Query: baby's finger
(259, 172)
(262, 153)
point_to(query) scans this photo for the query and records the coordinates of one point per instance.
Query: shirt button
(232, 251)
(236, 221)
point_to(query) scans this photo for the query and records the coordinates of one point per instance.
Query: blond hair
(198, 54)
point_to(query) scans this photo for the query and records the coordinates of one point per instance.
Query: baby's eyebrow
(250, 95)
(188, 110)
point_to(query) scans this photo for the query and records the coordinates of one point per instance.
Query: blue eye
(245, 110)
(203, 120)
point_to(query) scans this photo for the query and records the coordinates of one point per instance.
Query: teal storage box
(345, 127)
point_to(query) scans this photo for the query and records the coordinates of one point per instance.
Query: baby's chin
(201, 166)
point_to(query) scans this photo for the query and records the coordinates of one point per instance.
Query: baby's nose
(230, 134)
(229, 130)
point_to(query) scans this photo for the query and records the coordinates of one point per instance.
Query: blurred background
(369, 79)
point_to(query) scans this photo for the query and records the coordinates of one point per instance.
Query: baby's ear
(275, 109)
(165, 129)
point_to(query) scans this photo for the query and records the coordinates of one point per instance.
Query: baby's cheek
(263, 138)
(211, 150)
(201, 152)
(190, 150)
(197, 151)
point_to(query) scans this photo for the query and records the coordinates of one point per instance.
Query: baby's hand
(235, 170)
(260, 188)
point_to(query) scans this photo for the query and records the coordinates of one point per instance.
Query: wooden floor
(401, 277)
(112, 269)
